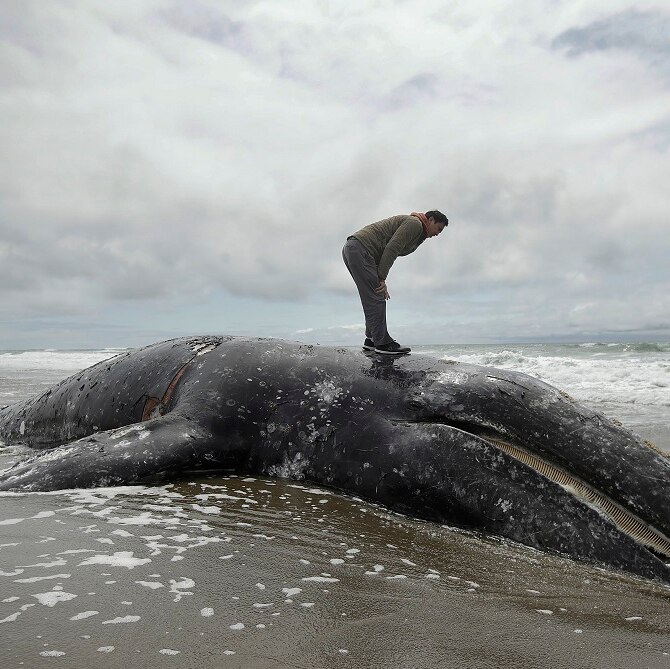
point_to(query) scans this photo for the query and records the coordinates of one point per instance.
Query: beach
(238, 571)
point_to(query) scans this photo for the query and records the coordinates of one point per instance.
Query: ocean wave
(648, 347)
(620, 380)
(48, 359)
(629, 347)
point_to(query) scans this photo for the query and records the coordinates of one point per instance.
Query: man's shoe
(368, 344)
(392, 348)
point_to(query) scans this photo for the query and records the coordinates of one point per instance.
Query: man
(369, 255)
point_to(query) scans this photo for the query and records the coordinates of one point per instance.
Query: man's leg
(361, 266)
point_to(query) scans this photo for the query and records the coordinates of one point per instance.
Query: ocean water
(626, 381)
(252, 572)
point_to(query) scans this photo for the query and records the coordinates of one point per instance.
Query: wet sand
(235, 572)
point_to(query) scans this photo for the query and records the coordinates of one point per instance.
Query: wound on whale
(469, 446)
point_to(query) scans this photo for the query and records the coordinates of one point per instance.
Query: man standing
(369, 254)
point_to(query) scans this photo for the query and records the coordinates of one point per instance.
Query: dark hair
(438, 216)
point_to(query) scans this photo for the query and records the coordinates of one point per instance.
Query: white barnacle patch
(57, 454)
(327, 392)
(313, 434)
(504, 504)
(451, 377)
(201, 349)
(293, 468)
(136, 430)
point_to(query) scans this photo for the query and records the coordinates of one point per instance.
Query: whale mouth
(622, 518)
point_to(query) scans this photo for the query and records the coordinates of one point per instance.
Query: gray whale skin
(468, 446)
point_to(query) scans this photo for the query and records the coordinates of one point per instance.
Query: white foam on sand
(35, 579)
(119, 559)
(154, 585)
(121, 620)
(211, 510)
(84, 614)
(57, 563)
(181, 588)
(53, 598)
(290, 592)
(11, 618)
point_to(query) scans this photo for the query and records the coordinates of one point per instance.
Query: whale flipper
(123, 455)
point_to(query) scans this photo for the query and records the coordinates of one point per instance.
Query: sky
(178, 167)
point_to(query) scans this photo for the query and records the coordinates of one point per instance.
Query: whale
(468, 446)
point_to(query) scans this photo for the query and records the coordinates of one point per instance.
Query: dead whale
(469, 446)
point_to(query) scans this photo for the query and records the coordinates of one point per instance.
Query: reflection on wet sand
(244, 572)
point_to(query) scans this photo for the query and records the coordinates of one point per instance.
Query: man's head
(437, 222)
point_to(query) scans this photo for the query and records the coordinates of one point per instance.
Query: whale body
(469, 446)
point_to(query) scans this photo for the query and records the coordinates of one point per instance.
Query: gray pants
(363, 269)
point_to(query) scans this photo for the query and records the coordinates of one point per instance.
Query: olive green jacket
(390, 238)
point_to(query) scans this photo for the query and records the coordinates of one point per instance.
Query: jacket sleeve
(407, 234)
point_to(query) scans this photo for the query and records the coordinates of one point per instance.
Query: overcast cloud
(181, 166)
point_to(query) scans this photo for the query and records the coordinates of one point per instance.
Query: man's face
(434, 228)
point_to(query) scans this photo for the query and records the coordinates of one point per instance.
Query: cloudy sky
(173, 167)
